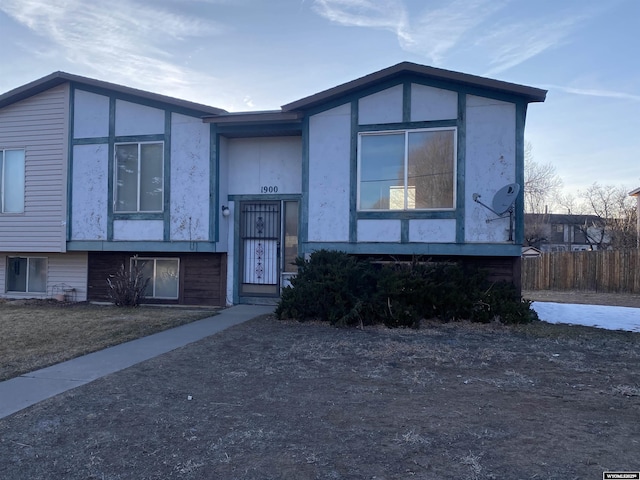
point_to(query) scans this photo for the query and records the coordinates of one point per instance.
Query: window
(12, 181)
(290, 236)
(26, 274)
(407, 170)
(163, 275)
(139, 177)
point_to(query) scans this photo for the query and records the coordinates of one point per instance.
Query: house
(215, 206)
(554, 232)
(531, 252)
(636, 193)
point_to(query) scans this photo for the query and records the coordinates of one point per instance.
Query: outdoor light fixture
(225, 211)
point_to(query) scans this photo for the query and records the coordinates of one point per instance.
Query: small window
(11, 181)
(407, 170)
(290, 236)
(139, 177)
(163, 275)
(27, 274)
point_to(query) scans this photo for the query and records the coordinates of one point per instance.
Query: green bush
(344, 290)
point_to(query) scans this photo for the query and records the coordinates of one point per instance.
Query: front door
(260, 242)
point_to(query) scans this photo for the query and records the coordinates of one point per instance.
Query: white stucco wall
(432, 231)
(490, 164)
(429, 103)
(90, 192)
(329, 174)
(381, 107)
(379, 230)
(271, 162)
(189, 179)
(138, 230)
(136, 119)
(90, 115)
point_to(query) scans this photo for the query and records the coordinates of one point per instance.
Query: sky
(245, 55)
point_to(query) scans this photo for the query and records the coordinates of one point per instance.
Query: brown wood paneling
(202, 281)
(598, 271)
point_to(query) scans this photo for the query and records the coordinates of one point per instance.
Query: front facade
(215, 206)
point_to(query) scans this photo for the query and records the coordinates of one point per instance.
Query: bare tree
(541, 183)
(541, 187)
(618, 215)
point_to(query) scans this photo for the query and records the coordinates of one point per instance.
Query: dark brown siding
(499, 269)
(202, 276)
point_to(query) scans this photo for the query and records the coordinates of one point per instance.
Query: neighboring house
(636, 193)
(215, 206)
(553, 232)
(530, 252)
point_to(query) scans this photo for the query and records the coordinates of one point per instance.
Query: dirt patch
(584, 298)
(270, 400)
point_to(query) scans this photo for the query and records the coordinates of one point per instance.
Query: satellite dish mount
(502, 204)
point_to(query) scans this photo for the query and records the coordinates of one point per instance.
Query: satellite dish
(505, 197)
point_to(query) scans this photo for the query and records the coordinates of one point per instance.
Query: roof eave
(255, 118)
(57, 78)
(529, 94)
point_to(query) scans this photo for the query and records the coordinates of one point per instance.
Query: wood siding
(38, 124)
(202, 276)
(64, 272)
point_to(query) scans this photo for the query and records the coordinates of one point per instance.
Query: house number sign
(269, 189)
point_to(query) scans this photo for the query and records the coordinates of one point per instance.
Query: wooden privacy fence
(599, 271)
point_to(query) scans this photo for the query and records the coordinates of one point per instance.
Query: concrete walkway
(31, 388)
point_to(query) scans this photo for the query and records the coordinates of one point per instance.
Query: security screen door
(260, 242)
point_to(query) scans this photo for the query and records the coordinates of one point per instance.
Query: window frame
(26, 290)
(134, 260)
(138, 209)
(406, 132)
(3, 170)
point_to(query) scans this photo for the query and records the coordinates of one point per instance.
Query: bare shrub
(126, 289)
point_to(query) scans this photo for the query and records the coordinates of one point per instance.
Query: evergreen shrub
(347, 291)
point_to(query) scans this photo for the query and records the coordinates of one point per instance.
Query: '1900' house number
(268, 189)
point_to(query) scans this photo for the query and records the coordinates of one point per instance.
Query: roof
(58, 78)
(529, 94)
(564, 218)
(254, 118)
(635, 193)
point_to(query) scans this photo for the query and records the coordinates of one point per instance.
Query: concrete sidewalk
(31, 388)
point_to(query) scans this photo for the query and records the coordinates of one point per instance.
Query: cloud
(384, 14)
(594, 92)
(431, 32)
(130, 40)
(438, 31)
(515, 43)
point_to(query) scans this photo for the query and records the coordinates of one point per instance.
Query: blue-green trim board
(139, 246)
(167, 177)
(415, 248)
(353, 173)
(461, 168)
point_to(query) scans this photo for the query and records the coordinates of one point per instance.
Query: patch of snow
(600, 316)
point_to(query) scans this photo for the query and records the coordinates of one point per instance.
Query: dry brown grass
(36, 334)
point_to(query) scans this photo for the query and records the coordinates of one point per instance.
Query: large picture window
(139, 177)
(27, 274)
(12, 181)
(163, 275)
(407, 170)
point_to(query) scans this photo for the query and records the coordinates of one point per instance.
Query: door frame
(238, 296)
